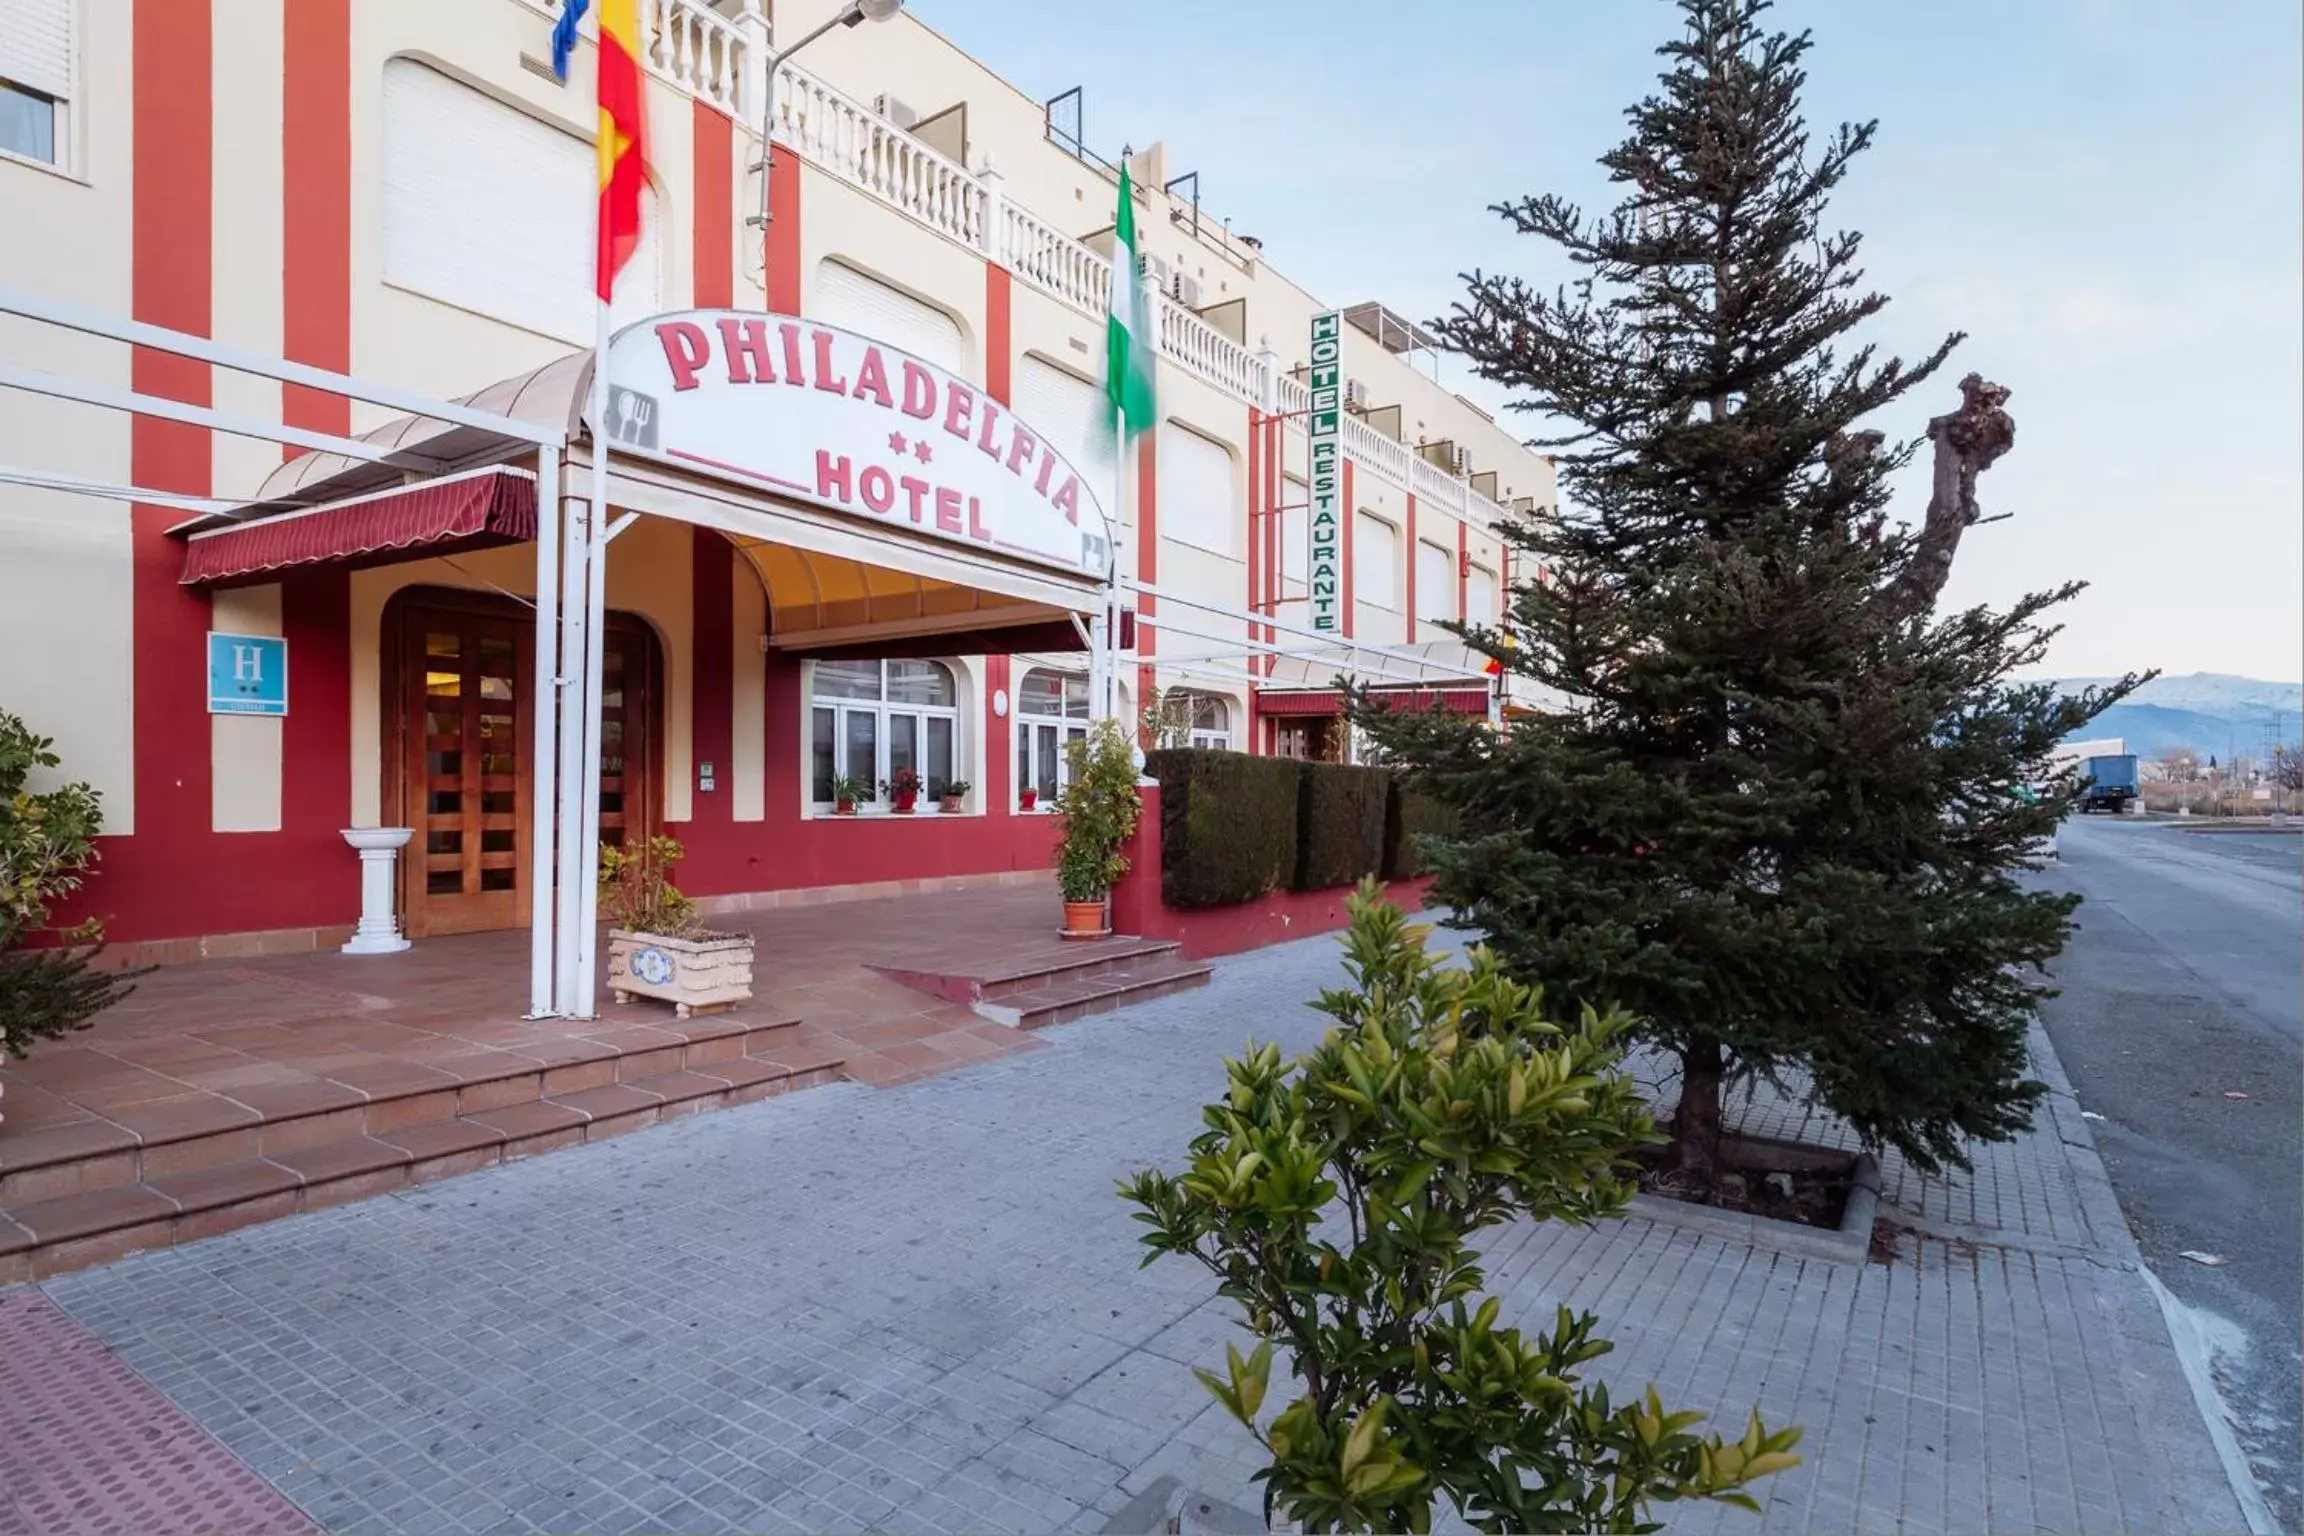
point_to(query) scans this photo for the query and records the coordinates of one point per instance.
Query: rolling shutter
(1196, 490)
(847, 298)
(36, 45)
(1073, 414)
(485, 208)
(1376, 562)
(1480, 597)
(1435, 582)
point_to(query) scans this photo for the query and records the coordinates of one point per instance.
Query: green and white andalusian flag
(1128, 337)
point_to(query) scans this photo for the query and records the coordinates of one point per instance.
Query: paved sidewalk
(919, 1308)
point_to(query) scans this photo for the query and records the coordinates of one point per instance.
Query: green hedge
(1227, 825)
(1409, 816)
(1339, 825)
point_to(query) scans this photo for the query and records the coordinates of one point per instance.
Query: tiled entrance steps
(90, 1191)
(1059, 982)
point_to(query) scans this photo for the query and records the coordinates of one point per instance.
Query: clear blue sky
(2103, 193)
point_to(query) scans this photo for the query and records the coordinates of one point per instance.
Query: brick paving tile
(920, 1309)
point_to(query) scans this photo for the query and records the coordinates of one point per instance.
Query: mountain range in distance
(2214, 713)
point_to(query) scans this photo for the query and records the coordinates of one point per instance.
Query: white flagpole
(1110, 699)
(544, 700)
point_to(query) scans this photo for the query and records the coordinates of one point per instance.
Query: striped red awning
(1330, 701)
(440, 517)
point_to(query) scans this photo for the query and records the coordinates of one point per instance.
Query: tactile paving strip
(88, 1446)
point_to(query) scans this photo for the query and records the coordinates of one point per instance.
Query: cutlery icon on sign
(634, 413)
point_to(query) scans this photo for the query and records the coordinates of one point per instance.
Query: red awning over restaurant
(1330, 701)
(440, 517)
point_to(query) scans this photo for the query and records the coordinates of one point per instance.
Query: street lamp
(854, 13)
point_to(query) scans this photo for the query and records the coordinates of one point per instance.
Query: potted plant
(656, 945)
(846, 791)
(1028, 798)
(951, 795)
(1100, 808)
(903, 790)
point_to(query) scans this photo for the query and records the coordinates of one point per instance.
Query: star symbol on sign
(895, 442)
(921, 451)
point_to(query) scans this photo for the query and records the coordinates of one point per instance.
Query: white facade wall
(67, 616)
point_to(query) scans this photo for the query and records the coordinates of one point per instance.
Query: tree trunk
(1696, 1126)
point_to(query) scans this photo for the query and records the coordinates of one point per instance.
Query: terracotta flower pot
(949, 804)
(904, 804)
(844, 808)
(1029, 800)
(1084, 920)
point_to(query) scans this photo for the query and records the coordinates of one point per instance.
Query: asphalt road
(2185, 984)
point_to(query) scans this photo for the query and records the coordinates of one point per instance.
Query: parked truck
(2110, 782)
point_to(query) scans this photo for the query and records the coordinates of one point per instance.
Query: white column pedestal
(379, 848)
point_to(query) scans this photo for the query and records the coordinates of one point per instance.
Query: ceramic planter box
(693, 975)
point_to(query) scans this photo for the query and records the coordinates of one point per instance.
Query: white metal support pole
(543, 702)
(576, 545)
(595, 614)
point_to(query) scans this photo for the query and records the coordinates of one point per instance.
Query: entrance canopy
(884, 504)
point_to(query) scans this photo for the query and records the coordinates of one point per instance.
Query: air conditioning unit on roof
(1156, 268)
(1185, 290)
(899, 112)
(1355, 396)
(1460, 461)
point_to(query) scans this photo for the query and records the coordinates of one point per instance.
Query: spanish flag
(621, 137)
(1494, 665)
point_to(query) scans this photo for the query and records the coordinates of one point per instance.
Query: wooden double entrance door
(460, 762)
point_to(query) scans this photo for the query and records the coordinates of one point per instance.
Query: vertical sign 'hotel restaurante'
(1327, 483)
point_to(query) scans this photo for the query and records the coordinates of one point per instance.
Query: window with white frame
(1376, 562)
(1051, 709)
(867, 719)
(1210, 715)
(1480, 596)
(1435, 582)
(476, 211)
(1196, 490)
(36, 80)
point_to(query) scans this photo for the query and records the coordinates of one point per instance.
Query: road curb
(2100, 1207)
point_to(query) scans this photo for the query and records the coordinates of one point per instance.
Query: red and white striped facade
(375, 187)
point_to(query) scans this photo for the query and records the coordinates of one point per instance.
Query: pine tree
(1782, 817)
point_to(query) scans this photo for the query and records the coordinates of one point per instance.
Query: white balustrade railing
(697, 50)
(1054, 262)
(849, 139)
(1193, 343)
(1380, 453)
(707, 55)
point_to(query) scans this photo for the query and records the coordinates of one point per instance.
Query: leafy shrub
(1227, 825)
(47, 840)
(1410, 817)
(636, 892)
(1335, 1198)
(1100, 808)
(1339, 825)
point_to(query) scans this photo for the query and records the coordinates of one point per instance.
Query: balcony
(702, 52)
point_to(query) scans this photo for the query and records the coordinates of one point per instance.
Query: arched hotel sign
(826, 416)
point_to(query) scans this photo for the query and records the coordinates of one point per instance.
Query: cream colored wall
(748, 749)
(422, 343)
(650, 574)
(244, 750)
(66, 619)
